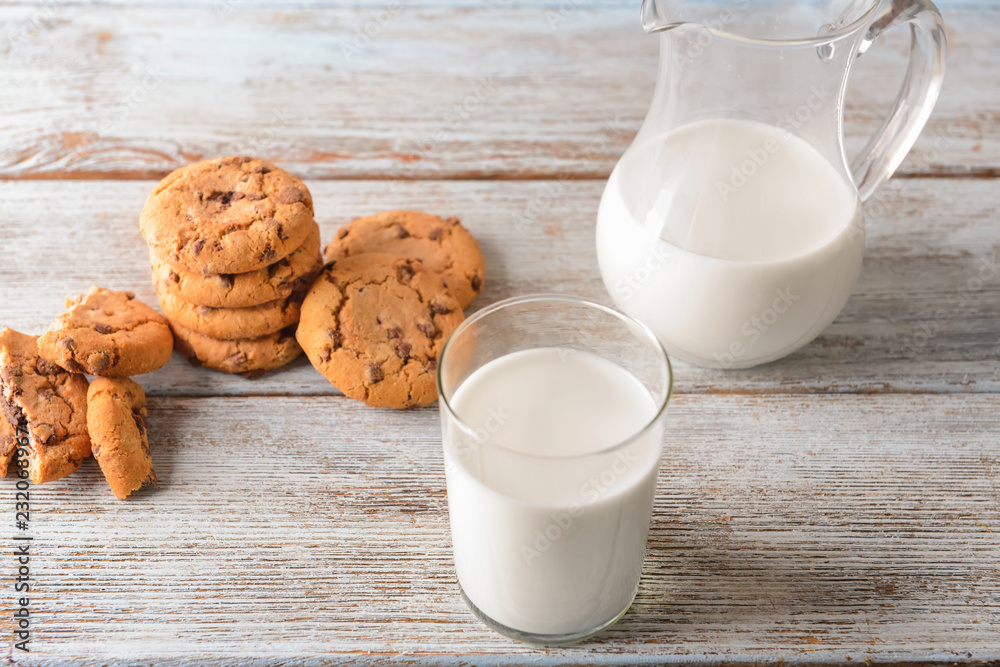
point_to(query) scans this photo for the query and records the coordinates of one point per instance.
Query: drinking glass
(552, 411)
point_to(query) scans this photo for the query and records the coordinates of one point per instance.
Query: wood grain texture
(804, 529)
(929, 243)
(503, 90)
(841, 506)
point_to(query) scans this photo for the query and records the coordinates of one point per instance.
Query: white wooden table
(840, 505)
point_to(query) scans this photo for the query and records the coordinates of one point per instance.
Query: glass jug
(733, 225)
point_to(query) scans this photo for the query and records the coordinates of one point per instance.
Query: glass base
(544, 640)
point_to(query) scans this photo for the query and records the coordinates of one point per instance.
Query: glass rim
(505, 304)
(792, 42)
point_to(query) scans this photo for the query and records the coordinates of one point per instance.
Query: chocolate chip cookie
(8, 445)
(253, 356)
(116, 420)
(374, 324)
(46, 403)
(242, 290)
(229, 215)
(441, 245)
(230, 323)
(108, 333)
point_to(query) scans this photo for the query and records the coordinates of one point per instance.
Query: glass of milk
(552, 410)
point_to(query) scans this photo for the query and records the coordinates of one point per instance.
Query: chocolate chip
(237, 359)
(477, 282)
(46, 367)
(343, 232)
(11, 412)
(335, 336)
(279, 230)
(427, 328)
(10, 374)
(268, 255)
(226, 280)
(140, 419)
(102, 328)
(453, 221)
(217, 246)
(98, 362)
(236, 196)
(394, 332)
(129, 295)
(260, 169)
(173, 277)
(374, 373)
(72, 366)
(439, 308)
(404, 272)
(44, 432)
(291, 195)
(430, 365)
(272, 269)
(401, 232)
(224, 198)
(68, 343)
(198, 246)
(324, 354)
(255, 196)
(436, 234)
(403, 350)
(243, 160)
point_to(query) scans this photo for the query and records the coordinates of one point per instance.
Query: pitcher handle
(894, 139)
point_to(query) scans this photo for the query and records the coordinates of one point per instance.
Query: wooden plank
(503, 91)
(928, 243)
(804, 529)
(308, 4)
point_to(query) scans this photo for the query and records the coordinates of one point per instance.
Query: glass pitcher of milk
(733, 225)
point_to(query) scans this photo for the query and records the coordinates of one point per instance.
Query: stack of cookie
(233, 248)
(392, 292)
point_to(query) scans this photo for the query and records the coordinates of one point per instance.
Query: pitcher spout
(660, 15)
